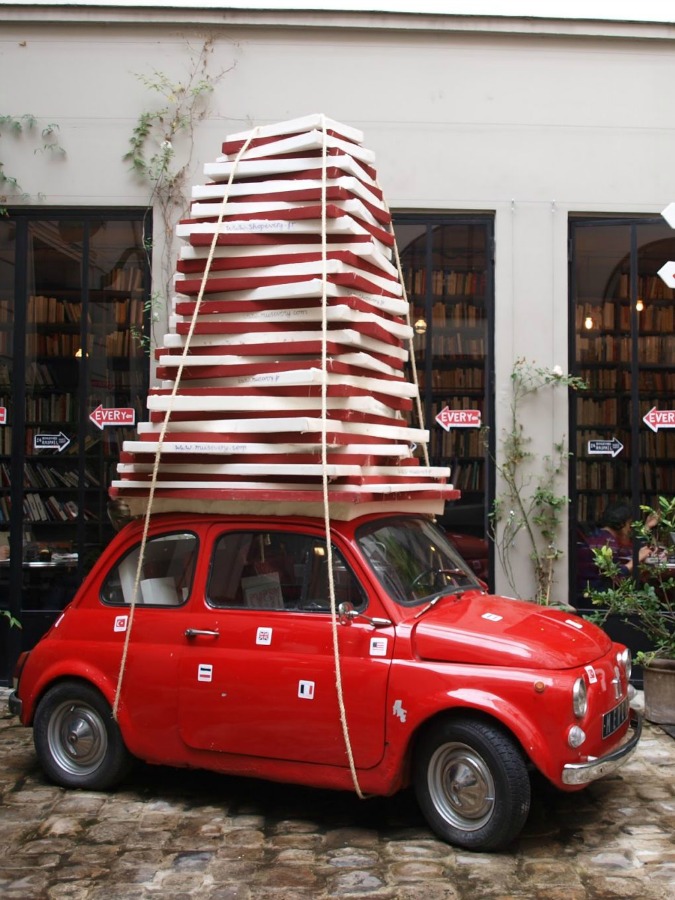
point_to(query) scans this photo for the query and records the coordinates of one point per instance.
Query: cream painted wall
(530, 127)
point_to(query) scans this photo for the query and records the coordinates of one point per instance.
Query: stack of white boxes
(245, 430)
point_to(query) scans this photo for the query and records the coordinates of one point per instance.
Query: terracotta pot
(659, 685)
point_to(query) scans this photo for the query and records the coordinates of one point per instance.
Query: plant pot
(659, 685)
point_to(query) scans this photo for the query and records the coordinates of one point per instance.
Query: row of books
(456, 344)
(39, 475)
(650, 287)
(53, 310)
(123, 343)
(55, 408)
(444, 281)
(606, 348)
(124, 279)
(590, 506)
(49, 509)
(610, 316)
(460, 378)
(597, 412)
(468, 476)
(616, 379)
(599, 476)
(460, 442)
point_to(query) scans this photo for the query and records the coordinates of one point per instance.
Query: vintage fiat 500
(220, 642)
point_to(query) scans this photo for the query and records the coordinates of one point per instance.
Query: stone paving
(178, 834)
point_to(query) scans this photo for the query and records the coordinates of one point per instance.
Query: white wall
(530, 126)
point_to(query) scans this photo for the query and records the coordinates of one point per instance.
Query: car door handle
(194, 632)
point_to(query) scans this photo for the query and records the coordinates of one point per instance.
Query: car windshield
(414, 561)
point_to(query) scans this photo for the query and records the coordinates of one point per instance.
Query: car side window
(278, 570)
(166, 574)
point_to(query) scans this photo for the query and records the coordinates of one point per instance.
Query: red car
(227, 661)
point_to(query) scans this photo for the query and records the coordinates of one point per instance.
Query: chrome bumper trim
(583, 773)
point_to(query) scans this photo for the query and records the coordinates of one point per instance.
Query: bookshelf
(623, 346)
(447, 270)
(69, 327)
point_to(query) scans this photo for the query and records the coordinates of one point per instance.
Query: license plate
(614, 718)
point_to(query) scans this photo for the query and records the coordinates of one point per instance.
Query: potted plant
(646, 601)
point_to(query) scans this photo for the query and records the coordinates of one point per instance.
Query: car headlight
(624, 660)
(579, 698)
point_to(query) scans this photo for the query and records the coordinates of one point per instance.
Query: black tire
(77, 741)
(471, 783)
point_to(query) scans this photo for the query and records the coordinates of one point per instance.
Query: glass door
(448, 270)
(73, 291)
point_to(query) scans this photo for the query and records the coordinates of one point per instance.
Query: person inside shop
(614, 530)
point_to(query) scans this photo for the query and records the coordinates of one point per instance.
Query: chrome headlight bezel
(625, 661)
(580, 697)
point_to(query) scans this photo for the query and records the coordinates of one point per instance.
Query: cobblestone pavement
(177, 834)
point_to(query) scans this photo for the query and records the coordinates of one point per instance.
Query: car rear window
(166, 572)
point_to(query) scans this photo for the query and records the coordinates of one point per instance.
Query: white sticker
(590, 671)
(573, 623)
(399, 711)
(263, 636)
(306, 690)
(378, 646)
(120, 623)
(492, 617)
(204, 672)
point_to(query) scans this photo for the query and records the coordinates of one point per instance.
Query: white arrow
(669, 214)
(667, 273)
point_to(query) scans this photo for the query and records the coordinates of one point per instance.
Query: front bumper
(583, 773)
(15, 704)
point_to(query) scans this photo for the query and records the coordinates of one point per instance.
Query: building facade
(526, 162)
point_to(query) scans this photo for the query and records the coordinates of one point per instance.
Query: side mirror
(346, 613)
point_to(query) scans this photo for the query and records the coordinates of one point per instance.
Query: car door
(257, 673)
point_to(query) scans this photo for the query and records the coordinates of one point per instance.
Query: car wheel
(471, 783)
(77, 740)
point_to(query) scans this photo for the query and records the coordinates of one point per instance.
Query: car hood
(497, 631)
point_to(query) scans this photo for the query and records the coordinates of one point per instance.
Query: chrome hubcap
(77, 738)
(461, 786)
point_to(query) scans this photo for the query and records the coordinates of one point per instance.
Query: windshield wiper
(455, 591)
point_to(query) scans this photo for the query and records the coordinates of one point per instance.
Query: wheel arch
(88, 676)
(511, 721)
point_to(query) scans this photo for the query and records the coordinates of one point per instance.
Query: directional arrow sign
(3, 415)
(458, 418)
(667, 273)
(669, 214)
(101, 416)
(51, 441)
(605, 448)
(659, 418)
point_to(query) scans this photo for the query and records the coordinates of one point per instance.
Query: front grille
(614, 718)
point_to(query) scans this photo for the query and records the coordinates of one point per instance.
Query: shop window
(447, 265)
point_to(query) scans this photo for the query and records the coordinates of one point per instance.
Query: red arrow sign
(659, 418)
(102, 416)
(3, 415)
(458, 418)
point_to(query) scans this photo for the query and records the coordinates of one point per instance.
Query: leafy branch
(161, 150)
(531, 506)
(646, 602)
(18, 126)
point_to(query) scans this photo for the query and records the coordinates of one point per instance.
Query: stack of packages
(243, 431)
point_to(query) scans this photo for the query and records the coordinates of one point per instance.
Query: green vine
(531, 505)
(18, 126)
(13, 621)
(160, 153)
